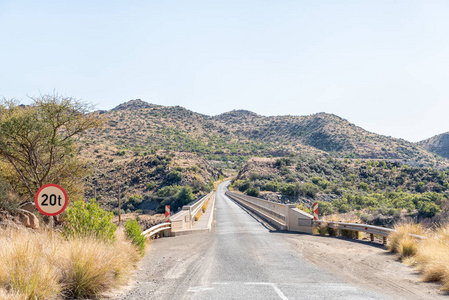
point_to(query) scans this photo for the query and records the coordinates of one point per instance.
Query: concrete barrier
(281, 216)
(184, 219)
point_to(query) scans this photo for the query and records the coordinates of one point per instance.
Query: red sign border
(36, 198)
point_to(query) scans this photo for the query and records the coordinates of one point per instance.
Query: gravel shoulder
(365, 264)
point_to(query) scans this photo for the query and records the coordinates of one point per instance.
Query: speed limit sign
(51, 199)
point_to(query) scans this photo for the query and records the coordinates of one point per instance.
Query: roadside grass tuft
(25, 267)
(433, 257)
(402, 235)
(32, 266)
(429, 256)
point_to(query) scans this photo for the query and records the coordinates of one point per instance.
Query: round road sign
(51, 199)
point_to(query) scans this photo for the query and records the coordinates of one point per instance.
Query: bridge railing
(156, 229)
(288, 217)
(277, 210)
(356, 227)
(185, 218)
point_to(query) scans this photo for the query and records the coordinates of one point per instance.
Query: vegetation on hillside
(368, 187)
(149, 182)
(438, 144)
(231, 138)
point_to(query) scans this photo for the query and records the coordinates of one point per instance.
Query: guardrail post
(384, 240)
(356, 235)
(371, 237)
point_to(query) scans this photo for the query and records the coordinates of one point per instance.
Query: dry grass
(401, 242)
(32, 266)
(28, 266)
(345, 218)
(432, 257)
(202, 210)
(4, 295)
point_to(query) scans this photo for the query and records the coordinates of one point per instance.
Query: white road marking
(196, 289)
(273, 285)
(220, 283)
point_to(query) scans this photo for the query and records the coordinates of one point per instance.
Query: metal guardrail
(382, 231)
(377, 230)
(156, 229)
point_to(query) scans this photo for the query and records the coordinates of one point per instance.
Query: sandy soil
(365, 264)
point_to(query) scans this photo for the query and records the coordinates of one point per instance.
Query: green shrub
(151, 186)
(308, 189)
(289, 189)
(115, 211)
(174, 176)
(88, 221)
(185, 195)
(134, 233)
(272, 186)
(254, 192)
(167, 191)
(325, 208)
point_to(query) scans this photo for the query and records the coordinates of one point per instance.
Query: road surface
(239, 259)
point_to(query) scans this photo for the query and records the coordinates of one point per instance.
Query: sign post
(51, 200)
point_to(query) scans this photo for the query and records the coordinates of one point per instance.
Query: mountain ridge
(245, 133)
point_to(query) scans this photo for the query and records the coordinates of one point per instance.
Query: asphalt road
(239, 259)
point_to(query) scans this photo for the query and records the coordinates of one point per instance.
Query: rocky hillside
(145, 148)
(438, 144)
(231, 138)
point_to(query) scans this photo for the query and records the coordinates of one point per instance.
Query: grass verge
(32, 266)
(429, 256)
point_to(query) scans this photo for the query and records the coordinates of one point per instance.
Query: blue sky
(383, 65)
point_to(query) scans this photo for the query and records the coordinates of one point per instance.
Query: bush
(185, 195)
(254, 192)
(288, 189)
(308, 189)
(168, 191)
(428, 209)
(272, 186)
(134, 233)
(88, 221)
(325, 208)
(400, 241)
(174, 176)
(241, 185)
(115, 211)
(91, 266)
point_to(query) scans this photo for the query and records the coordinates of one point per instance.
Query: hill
(138, 134)
(438, 144)
(229, 139)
